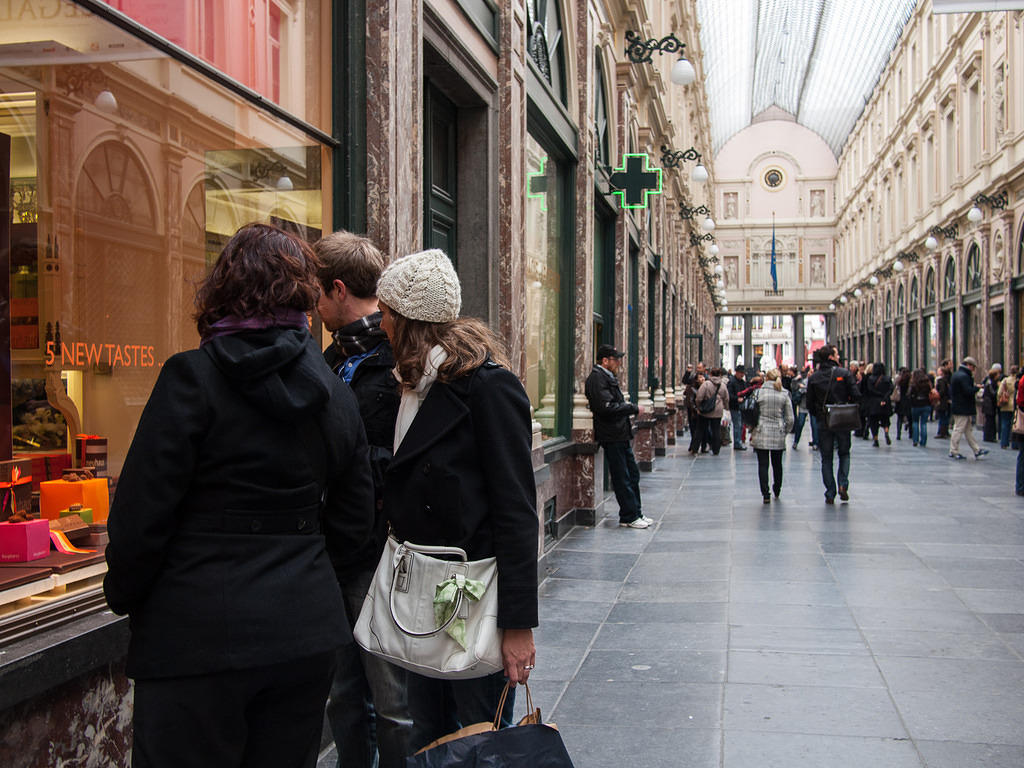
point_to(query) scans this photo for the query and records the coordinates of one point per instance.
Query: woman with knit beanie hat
(462, 472)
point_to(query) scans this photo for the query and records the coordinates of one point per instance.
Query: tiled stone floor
(885, 632)
(888, 631)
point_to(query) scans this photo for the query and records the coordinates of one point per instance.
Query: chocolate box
(55, 495)
(46, 466)
(21, 542)
(91, 451)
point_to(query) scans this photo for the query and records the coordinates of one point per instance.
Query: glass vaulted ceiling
(818, 60)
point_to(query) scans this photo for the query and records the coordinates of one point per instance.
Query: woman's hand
(518, 654)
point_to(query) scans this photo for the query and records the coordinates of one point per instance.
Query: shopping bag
(530, 744)
(1018, 422)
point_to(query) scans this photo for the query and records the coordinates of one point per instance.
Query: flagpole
(774, 271)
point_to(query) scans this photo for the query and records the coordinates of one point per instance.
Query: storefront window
(274, 47)
(545, 248)
(949, 280)
(129, 171)
(972, 278)
(972, 333)
(931, 349)
(929, 288)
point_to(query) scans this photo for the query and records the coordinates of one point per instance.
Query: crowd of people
(906, 404)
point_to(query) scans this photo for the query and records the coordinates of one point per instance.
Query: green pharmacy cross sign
(635, 180)
(537, 184)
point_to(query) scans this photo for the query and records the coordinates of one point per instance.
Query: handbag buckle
(402, 571)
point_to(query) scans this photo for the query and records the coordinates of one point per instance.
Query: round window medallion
(773, 178)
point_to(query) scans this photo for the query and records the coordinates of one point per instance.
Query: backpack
(750, 411)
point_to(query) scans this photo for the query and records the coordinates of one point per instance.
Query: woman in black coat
(877, 393)
(229, 510)
(462, 473)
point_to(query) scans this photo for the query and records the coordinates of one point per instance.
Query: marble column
(748, 340)
(799, 356)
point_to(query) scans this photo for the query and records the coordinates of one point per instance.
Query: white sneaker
(650, 520)
(640, 522)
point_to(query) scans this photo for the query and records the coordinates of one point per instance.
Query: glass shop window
(545, 284)
(126, 172)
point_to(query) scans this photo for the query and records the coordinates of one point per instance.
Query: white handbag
(398, 621)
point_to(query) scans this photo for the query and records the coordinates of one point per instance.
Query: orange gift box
(21, 542)
(55, 495)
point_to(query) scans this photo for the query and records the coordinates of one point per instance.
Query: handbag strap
(501, 703)
(828, 392)
(402, 561)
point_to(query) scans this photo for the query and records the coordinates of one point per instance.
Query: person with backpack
(1005, 403)
(768, 438)
(712, 402)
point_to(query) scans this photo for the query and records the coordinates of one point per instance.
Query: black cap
(607, 350)
(740, 368)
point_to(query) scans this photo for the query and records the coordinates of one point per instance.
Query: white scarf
(412, 398)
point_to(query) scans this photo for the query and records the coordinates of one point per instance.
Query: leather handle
(501, 702)
(409, 632)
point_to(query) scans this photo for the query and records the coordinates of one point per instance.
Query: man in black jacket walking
(831, 384)
(962, 403)
(736, 384)
(614, 432)
(361, 356)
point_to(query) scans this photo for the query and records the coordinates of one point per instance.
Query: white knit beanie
(422, 286)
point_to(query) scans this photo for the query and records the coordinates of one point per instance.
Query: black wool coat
(463, 477)
(376, 391)
(220, 550)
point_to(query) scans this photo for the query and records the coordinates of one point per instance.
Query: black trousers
(763, 457)
(712, 429)
(262, 717)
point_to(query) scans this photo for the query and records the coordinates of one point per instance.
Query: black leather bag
(840, 417)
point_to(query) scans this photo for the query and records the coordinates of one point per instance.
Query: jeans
(737, 427)
(943, 419)
(626, 482)
(1005, 425)
(815, 430)
(368, 710)
(962, 427)
(919, 424)
(440, 707)
(763, 457)
(829, 440)
(798, 426)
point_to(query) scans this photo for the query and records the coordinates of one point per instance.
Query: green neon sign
(635, 180)
(537, 185)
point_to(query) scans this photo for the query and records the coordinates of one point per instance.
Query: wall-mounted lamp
(873, 280)
(672, 159)
(714, 249)
(696, 239)
(832, 306)
(995, 202)
(931, 243)
(708, 225)
(82, 81)
(952, 232)
(843, 299)
(718, 267)
(639, 51)
(689, 213)
(857, 293)
(261, 170)
(897, 266)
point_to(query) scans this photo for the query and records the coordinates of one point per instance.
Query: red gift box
(15, 487)
(21, 542)
(46, 466)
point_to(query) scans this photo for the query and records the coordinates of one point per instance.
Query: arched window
(972, 278)
(949, 279)
(915, 295)
(888, 305)
(871, 312)
(929, 288)
(113, 186)
(602, 146)
(900, 301)
(545, 44)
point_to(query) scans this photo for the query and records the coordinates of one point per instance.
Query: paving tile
(1004, 622)
(969, 678)
(588, 590)
(775, 615)
(746, 749)
(686, 636)
(786, 593)
(701, 613)
(881, 617)
(652, 665)
(557, 664)
(656, 705)
(684, 592)
(994, 718)
(565, 634)
(603, 566)
(954, 645)
(592, 746)
(993, 600)
(804, 709)
(571, 610)
(953, 754)
(798, 639)
(816, 669)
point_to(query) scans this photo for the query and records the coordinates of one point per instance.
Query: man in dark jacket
(737, 382)
(962, 403)
(614, 432)
(831, 384)
(366, 689)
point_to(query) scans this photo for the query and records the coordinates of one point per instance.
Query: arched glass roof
(818, 60)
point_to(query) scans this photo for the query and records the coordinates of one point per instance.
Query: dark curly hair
(261, 269)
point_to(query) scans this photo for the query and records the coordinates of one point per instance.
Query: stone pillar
(799, 356)
(660, 435)
(748, 340)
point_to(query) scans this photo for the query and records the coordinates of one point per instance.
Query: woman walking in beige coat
(768, 438)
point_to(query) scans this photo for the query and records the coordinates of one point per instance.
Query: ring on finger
(528, 666)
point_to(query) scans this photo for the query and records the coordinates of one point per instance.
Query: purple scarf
(280, 317)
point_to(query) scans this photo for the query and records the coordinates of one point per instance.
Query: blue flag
(775, 274)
